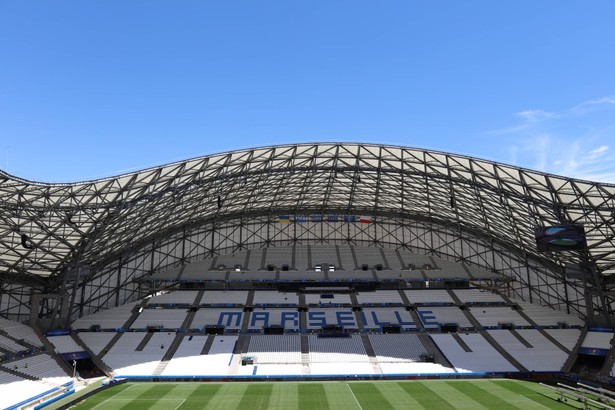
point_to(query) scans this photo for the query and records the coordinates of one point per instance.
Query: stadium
(309, 264)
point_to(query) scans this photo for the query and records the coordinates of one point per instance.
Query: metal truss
(48, 231)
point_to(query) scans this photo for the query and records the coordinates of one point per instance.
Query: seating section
(167, 318)
(20, 331)
(532, 349)
(392, 259)
(235, 297)
(337, 350)
(279, 257)
(229, 317)
(322, 299)
(41, 366)
(346, 258)
(544, 316)
(64, 344)
(274, 298)
(14, 389)
(113, 318)
(379, 297)
(364, 310)
(597, 340)
(433, 317)
(184, 297)
(96, 341)
(481, 358)
(446, 270)
(378, 317)
(188, 359)
(324, 255)
(478, 296)
(493, 316)
(370, 257)
(567, 337)
(429, 297)
(125, 359)
(275, 349)
(287, 318)
(10, 345)
(397, 347)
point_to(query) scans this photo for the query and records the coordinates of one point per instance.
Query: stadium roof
(47, 228)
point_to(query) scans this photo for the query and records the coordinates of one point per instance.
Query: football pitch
(363, 395)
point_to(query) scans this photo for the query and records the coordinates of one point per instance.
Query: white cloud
(596, 152)
(533, 116)
(574, 142)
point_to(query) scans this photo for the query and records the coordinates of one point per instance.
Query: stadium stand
(327, 294)
(64, 344)
(474, 354)
(113, 318)
(19, 331)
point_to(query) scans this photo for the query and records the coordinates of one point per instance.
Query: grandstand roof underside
(92, 221)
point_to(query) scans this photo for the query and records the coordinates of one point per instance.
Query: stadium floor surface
(362, 395)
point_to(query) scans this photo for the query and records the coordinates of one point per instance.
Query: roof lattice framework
(93, 221)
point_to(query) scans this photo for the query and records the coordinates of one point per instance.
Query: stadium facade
(72, 249)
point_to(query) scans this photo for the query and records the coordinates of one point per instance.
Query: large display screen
(560, 238)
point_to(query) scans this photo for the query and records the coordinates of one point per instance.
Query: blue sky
(96, 88)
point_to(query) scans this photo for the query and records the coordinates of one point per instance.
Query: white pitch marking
(355, 397)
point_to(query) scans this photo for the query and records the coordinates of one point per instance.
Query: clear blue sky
(97, 88)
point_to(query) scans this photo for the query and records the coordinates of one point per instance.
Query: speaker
(25, 240)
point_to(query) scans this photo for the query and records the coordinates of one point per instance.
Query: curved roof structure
(48, 228)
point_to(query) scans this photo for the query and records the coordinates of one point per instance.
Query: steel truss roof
(93, 221)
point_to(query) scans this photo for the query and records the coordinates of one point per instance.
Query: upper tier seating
(324, 255)
(279, 257)
(370, 257)
(167, 318)
(272, 297)
(380, 297)
(229, 260)
(392, 259)
(260, 318)
(446, 270)
(493, 316)
(374, 317)
(429, 296)
(182, 297)
(346, 258)
(113, 318)
(433, 317)
(301, 258)
(231, 297)
(478, 296)
(544, 316)
(317, 299)
(229, 317)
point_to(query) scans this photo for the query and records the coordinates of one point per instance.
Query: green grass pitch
(363, 395)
